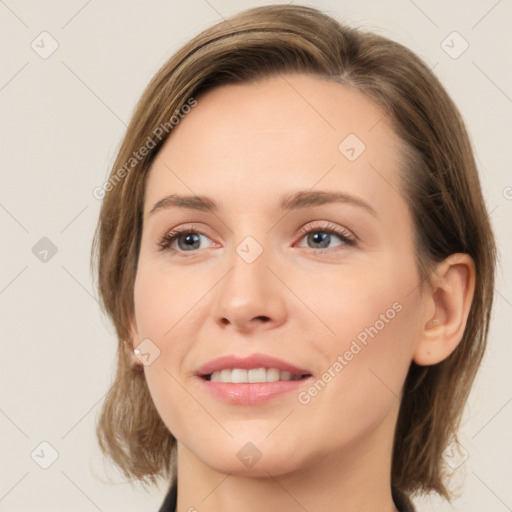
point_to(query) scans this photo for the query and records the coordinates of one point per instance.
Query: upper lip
(249, 362)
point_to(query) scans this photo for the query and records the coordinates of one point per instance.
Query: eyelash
(332, 229)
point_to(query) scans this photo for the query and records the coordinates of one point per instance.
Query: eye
(321, 236)
(187, 239)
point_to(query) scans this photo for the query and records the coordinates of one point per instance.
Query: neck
(353, 479)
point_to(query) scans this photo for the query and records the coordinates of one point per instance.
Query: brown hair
(439, 182)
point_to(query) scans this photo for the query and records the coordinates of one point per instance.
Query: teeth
(257, 375)
(238, 375)
(273, 374)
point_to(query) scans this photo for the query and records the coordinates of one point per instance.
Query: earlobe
(448, 303)
(131, 345)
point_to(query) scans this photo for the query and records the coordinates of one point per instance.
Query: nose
(250, 297)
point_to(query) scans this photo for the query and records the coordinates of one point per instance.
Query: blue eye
(189, 239)
(323, 235)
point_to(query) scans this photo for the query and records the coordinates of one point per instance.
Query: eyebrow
(294, 201)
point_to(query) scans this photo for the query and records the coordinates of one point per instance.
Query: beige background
(62, 118)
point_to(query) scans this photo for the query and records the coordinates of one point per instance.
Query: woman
(295, 252)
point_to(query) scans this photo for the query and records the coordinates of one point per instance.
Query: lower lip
(252, 393)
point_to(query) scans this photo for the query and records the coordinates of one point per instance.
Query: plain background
(62, 119)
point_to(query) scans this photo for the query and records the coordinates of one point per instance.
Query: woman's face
(307, 257)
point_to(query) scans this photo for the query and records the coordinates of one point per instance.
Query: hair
(439, 181)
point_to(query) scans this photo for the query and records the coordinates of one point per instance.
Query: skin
(245, 146)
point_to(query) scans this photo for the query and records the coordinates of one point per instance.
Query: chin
(268, 464)
(252, 459)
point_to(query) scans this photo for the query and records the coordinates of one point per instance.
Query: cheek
(370, 368)
(374, 317)
(161, 306)
(370, 360)
(165, 303)
(170, 307)
(364, 302)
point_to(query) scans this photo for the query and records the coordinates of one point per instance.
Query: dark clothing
(169, 504)
(402, 502)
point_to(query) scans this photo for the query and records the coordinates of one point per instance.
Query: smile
(241, 375)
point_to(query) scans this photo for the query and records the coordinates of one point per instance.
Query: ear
(447, 304)
(131, 344)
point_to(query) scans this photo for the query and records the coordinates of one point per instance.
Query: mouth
(251, 379)
(253, 376)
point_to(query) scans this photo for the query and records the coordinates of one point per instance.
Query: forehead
(289, 132)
